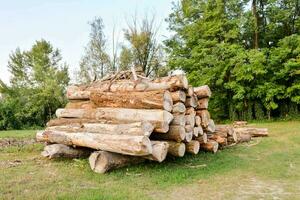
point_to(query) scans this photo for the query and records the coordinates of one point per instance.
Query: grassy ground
(267, 168)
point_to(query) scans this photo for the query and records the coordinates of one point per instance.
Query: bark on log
(203, 104)
(246, 137)
(254, 132)
(80, 105)
(211, 126)
(190, 120)
(176, 149)
(202, 91)
(124, 144)
(159, 151)
(172, 83)
(178, 96)
(103, 161)
(138, 100)
(224, 129)
(188, 136)
(193, 147)
(205, 117)
(136, 128)
(178, 108)
(160, 119)
(232, 139)
(179, 119)
(210, 146)
(175, 133)
(197, 121)
(191, 102)
(64, 151)
(219, 139)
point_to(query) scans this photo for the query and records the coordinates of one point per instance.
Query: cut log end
(176, 149)
(193, 147)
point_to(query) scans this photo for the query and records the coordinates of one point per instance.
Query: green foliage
(37, 87)
(214, 43)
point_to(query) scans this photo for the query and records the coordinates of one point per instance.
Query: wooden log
(193, 147)
(211, 126)
(202, 138)
(191, 102)
(254, 132)
(210, 146)
(179, 119)
(200, 130)
(176, 149)
(61, 150)
(159, 151)
(103, 161)
(205, 117)
(135, 128)
(232, 139)
(80, 105)
(178, 96)
(237, 124)
(188, 136)
(189, 128)
(138, 100)
(171, 83)
(160, 119)
(203, 104)
(124, 144)
(246, 137)
(197, 121)
(202, 91)
(190, 120)
(196, 132)
(175, 133)
(190, 111)
(224, 129)
(219, 139)
(178, 108)
(190, 91)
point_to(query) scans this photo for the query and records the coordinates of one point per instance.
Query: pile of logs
(117, 122)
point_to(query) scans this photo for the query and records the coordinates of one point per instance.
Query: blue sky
(65, 23)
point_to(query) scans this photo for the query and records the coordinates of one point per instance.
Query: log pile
(121, 120)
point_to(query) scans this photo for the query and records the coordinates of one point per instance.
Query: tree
(38, 81)
(96, 61)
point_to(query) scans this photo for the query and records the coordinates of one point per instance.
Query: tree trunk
(256, 25)
(178, 108)
(136, 128)
(202, 91)
(64, 151)
(205, 117)
(203, 103)
(210, 146)
(172, 83)
(254, 132)
(138, 100)
(176, 133)
(160, 119)
(178, 96)
(124, 144)
(103, 161)
(193, 147)
(179, 119)
(159, 151)
(176, 149)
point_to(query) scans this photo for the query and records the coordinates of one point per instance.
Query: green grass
(18, 134)
(267, 168)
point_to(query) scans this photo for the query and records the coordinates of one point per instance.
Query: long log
(210, 146)
(205, 117)
(124, 144)
(237, 124)
(160, 119)
(172, 83)
(77, 121)
(80, 105)
(103, 161)
(138, 100)
(61, 150)
(175, 133)
(203, 104)
(178, 108)
(202, 91)
(191, 101)
(193, 147)
(159, 151)
(178, 96)
(254, 132)
(135, 128)
(179, 119)
(176, 149)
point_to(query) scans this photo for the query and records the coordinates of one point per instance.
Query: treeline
(248, 52)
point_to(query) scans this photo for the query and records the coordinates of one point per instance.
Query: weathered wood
(189, 128)
(243, 137)
(197, 121)
(200, 130)
(135, 128)
(219, 139)
(190, 120)
(61, 150)
(193, 147)
(202, 91)
(224, 129)
(178, 96)
(124, 144)
(202, 138)
(191, 101)
(178, 108)
(254, 132)
(80, 105)
(210, 146)
(203, 104)
(239, 124)
(176, 149)
(77, 122)
(232, 139)
(138, 100)
(171, 83)
(175, 133)
(190, 111)
(103, 161)
(205, 117)
(179, 119)
(159, 151)
(160, 119)
(211, 126)
(196, 131)
(190, 91)
(188, 136)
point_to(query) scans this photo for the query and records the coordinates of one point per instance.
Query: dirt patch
(7, 142)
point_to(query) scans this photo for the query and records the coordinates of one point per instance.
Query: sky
(64, 23)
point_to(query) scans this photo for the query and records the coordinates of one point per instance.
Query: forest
(248, 52)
